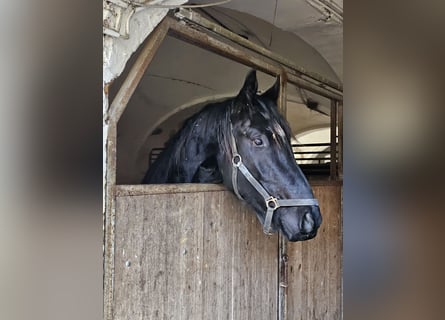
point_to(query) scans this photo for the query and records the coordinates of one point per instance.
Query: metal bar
(312, 152)
(340, 140)
(137, 71)
(333, 169)
(295, 158)
(323, 144)
(321, 159)
(282, 277)
(207, 42)
(157, 151)
(152, 159)
(196, 18)
(314, 88)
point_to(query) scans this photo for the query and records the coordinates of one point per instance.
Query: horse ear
(249, 89)
(273, 92)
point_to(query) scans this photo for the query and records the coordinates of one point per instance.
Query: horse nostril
(307, 223)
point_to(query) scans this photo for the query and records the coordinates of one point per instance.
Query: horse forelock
(276, 124)
(263, 114)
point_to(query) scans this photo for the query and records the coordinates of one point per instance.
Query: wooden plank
(109, 219)
(192, 256)
(314, 283)
(139, 190)
(282, 277)
(304, 84)
(318, 183)
(137, 70)
(213, 44)
(316, 261)
(335, 254)
(297, 282)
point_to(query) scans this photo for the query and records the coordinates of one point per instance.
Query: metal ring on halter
(237, 160)
(273, 201)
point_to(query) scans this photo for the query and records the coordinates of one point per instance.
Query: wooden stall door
(198, 255)
(315, 266)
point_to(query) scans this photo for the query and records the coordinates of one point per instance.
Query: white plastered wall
(117, 51)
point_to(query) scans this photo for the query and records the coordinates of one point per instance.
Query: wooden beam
(210, 43)
(109, 221)
(137, 71)
(146, 189)
(197, 19)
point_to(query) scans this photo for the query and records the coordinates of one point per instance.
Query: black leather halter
(272, 203)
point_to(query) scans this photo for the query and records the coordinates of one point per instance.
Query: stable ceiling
(318, 22)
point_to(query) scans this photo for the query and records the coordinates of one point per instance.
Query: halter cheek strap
(272, 203)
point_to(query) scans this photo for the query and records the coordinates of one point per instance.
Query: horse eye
(258, 141)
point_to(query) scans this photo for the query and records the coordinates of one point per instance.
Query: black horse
(244, 142)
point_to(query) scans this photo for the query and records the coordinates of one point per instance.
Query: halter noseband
(272, 203)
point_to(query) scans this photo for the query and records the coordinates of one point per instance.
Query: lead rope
(272, 203)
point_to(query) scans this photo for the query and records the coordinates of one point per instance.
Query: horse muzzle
(299, 223)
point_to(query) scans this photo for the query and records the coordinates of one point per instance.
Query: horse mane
(214, 121)
(214, 117)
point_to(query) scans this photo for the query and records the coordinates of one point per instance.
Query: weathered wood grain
(195, 255)
(202, 255)
(315, 266)
(150, 189)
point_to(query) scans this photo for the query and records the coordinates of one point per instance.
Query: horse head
(260, 167)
